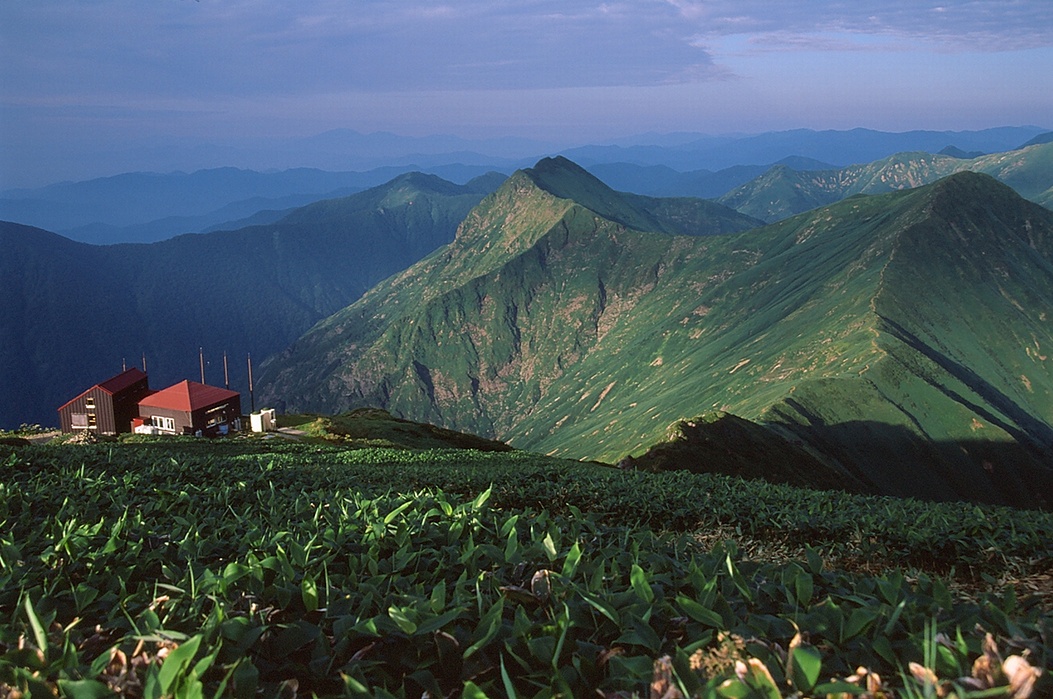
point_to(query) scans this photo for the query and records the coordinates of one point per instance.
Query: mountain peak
(532, 201)
(977, 211)
(781, 193)
(967, 179)
(565, 179)
(418, 178)
(969, 191)
(956, 152)
(557, 163)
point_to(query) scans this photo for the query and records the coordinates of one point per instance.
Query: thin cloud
(780, 42)
(538, 44)
(964, 26)
(701, 73)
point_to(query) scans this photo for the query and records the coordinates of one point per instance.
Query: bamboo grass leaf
(176, 663)
(405, 624)
(390, 517)
(84, 689)
(570, 565)
(806, 663)
(550, 547)
(700, 613)
(40, 636)
(510, 690)
(309, 593)
(640, 584)
(472, 691)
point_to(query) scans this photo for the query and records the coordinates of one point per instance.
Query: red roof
(113, 385)
(188, 396)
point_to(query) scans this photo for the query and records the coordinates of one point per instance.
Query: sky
(97, 85)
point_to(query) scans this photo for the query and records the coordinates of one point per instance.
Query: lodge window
(79, 420)
(217, 415)
(165, 423)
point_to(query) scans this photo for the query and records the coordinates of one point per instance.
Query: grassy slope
(586, 339)
(752, 297)
(375, 428)
(73, 311)
(962, 335)
(818, 337)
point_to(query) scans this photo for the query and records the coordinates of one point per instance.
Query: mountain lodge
(125, 403)
(108, 407)
(190, 407)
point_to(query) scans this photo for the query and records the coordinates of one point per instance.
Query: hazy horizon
(385, 149)
(101, 88)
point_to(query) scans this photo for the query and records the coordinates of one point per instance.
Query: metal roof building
(190, 407)
(108, 407)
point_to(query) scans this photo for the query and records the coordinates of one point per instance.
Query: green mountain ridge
(913, 319)
(524, 223)
(73, 311)
(782, 192)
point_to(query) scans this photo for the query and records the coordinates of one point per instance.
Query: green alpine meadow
(893, 344)
(255, 567)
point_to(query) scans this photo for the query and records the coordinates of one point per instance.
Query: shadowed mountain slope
(900, 340)
(719, 442)
(73, 311)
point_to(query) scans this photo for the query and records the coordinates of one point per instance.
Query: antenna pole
(252, 397)
(226, 376)
(201, 359)
(144, 362)
(124, 364)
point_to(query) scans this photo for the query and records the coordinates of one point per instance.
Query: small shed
(263, 421)
(190, 407)
(108, 407)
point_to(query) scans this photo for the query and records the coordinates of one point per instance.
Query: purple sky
(79, 79)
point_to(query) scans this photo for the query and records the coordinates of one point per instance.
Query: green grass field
(273, 568)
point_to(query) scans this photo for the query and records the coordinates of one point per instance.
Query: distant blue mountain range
(148, 206)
